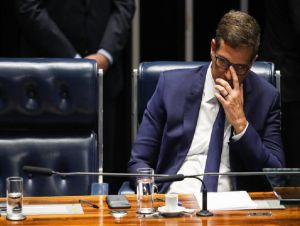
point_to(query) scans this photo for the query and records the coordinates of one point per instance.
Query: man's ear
(254, 59)
(213, 47)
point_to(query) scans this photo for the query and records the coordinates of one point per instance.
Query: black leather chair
(50, 116)
(146, 77)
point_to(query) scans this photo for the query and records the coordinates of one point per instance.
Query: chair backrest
(146, 78)
(50, 116)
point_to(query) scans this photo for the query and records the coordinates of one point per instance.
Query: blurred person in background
(93, 29)
(281, 46)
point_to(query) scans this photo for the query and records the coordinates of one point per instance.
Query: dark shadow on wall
(8, 30)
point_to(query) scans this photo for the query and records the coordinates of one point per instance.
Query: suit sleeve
(255, 151)
(41, 31)
(147, 145)
(118, 27)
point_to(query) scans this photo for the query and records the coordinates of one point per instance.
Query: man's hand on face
(232, 100)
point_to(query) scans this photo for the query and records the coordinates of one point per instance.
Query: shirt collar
(209, 89)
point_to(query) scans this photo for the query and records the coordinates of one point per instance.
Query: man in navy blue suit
(174, 136)
(93, 29)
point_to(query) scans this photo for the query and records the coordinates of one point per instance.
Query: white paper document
(233, 200)
(269, 204)
(52, 209)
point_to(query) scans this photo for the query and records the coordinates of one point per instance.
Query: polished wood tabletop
(102, 216)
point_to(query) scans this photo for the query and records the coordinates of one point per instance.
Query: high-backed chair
(146, 77)
(50, 116)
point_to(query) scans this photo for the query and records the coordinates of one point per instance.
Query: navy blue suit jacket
(166, 132)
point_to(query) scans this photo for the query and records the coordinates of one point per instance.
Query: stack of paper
(233, 200)
(52, 209)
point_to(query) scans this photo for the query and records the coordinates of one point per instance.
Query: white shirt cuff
(77, 56)
(236, 137)
(107, 55)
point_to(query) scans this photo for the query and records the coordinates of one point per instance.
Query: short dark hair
(238, 29)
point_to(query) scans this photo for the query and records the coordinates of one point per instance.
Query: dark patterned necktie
(214, 152)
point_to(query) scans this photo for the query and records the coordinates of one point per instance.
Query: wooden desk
(102, 216)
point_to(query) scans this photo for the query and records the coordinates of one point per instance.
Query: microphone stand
(179, 177)
(204, 212)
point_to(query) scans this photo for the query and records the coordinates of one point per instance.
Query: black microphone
(162, 178)
(171, 178)
(50, 172)
(38, 170)
(204, 212)
(159, 178)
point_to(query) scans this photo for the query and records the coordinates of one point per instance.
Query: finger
(221, 90)
(221, 99)
(224, 84)
(235, 80)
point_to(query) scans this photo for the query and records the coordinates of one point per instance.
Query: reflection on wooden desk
(103, 216)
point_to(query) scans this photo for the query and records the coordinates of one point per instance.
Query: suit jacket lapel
(191, 112)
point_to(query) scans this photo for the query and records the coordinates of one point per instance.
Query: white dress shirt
(197, 154)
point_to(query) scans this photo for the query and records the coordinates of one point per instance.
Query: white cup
(171, 202)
